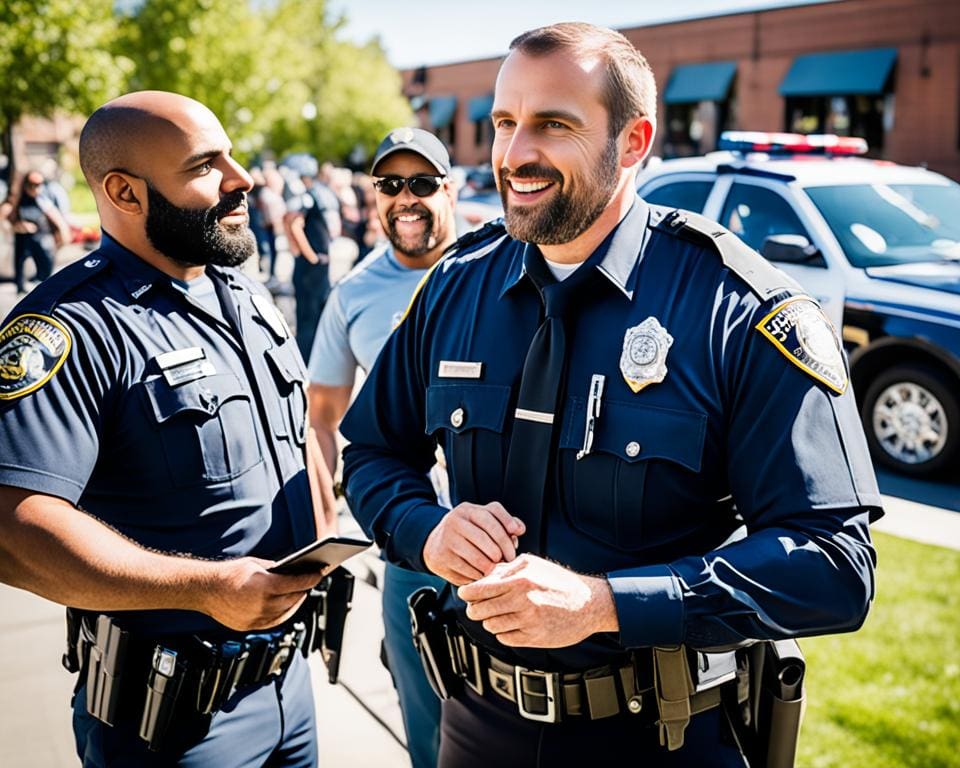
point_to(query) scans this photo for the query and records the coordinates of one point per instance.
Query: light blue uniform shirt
(362, 310)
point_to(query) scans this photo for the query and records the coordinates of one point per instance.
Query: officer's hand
(245, 596)
(536, 603)
(470, 540)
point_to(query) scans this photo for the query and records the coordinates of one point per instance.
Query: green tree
(274, 72)
(55, 55)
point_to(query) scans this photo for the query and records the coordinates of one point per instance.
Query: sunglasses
(421, 186)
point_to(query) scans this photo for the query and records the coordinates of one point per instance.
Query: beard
(194, 237)
(408, 245)
(569, 213)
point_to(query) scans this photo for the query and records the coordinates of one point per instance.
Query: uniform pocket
(467, 420)
(207, 423)
(289, 414)
(606, 491)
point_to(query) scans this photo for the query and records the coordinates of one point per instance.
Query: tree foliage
(274, 73)
(56, 55)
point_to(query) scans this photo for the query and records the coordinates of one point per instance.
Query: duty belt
(606, 691)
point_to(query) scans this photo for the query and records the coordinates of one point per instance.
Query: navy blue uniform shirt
(179, 427)
(734, 432)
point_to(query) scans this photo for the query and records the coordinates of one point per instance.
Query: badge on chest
(644, 355)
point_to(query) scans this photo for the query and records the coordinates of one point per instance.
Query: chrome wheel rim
(910, 423)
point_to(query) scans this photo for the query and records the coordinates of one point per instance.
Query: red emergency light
(791, 143)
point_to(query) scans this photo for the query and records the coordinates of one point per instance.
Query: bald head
(120, 135)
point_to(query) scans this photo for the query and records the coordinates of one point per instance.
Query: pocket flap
(640, 432)
(204, 395)
(285, 365)
(459, 407)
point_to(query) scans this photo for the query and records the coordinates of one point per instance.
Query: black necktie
(531, 444)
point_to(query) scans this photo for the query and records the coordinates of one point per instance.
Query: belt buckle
(550, 694)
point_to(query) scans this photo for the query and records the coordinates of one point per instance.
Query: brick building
(886, 70)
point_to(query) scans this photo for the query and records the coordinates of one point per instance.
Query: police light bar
(791, 143)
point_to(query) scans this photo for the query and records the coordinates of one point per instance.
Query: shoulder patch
(32, 349)
(764, 279)
(806, 337)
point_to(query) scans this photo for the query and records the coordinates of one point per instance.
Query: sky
(430, 32)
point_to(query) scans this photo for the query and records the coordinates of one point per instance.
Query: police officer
(617, 390)
(313, 222)
(152, 458)
(415, 202)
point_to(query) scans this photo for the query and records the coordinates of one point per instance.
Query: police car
(878, 244)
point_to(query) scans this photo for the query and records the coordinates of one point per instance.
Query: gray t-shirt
(362, 310)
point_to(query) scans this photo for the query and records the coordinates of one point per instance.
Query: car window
(885, 224)
(689, 195)
(754, 213)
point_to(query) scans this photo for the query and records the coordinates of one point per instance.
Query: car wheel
(912, 419)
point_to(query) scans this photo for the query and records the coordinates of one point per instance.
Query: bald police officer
(621, 388)
(152, 458)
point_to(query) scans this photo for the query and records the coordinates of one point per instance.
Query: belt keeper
(601, 696)
(674, 686)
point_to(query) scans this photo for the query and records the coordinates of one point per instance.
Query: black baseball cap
(417, 140)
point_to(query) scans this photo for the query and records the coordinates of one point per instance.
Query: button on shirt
(734, 432)
(180, 427)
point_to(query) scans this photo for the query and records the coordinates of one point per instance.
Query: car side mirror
(792, 249)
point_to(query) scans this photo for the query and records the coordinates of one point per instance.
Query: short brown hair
(630, 90)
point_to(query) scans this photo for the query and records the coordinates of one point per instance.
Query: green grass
(81, 198)
(888, 696)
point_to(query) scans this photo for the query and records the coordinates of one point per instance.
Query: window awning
(479, 107)
(700, 82)
(441, 110)
(839, 73)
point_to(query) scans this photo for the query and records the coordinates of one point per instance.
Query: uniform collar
(624, 249)
(137, 275)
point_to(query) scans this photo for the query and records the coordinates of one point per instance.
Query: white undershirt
(561, 271)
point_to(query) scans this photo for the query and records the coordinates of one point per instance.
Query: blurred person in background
(312, 222)
(272, 209)
(39, 229)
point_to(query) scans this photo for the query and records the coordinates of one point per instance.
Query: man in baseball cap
(415, 203)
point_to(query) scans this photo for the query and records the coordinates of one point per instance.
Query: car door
(757, 208)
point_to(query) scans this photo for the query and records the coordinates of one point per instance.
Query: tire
(911, 416)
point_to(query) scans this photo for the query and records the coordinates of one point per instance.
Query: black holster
(768, 723)
(433, 638)
(324, 615)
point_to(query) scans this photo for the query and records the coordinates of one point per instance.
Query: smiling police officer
(152, 458)
(623, 389)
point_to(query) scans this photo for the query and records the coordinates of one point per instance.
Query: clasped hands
(524, 600)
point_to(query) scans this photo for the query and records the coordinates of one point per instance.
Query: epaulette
(46, 296)
(760, 275)
(489, 231)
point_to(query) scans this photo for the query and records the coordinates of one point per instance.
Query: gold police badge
(804, 335)
(32, 349)
(643, 360)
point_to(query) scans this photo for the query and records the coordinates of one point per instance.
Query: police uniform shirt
(734, 430)
(181, 428)
(362, 310)
(316, 203)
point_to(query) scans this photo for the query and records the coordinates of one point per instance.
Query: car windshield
(883, 224)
